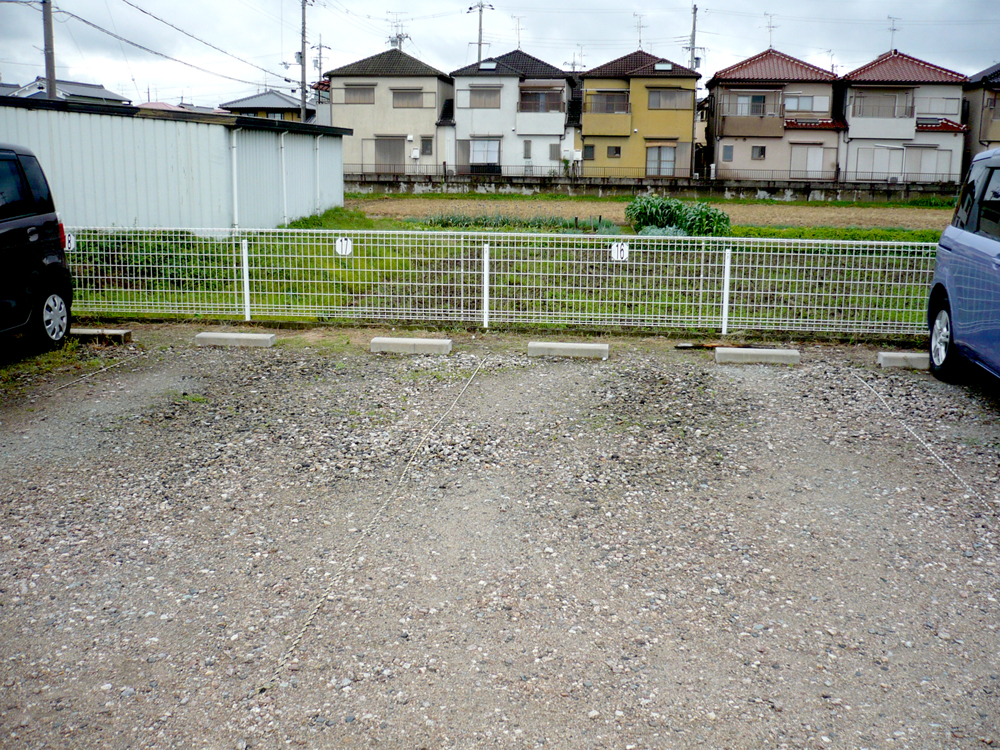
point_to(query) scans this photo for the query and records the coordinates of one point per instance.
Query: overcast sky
(962, 35)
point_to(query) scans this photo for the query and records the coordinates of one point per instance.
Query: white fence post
(726, 275)
(245, 253)
(486, 285)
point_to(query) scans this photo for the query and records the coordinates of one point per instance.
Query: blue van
(963, 310)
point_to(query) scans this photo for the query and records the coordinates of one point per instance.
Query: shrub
(696, 219)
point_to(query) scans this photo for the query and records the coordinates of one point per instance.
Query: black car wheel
(946, 361)
(51, 319)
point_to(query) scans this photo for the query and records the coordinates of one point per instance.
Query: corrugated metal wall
(109, 170)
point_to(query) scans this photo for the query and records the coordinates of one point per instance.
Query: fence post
(486, 285)
(726, 276)
(245, 253)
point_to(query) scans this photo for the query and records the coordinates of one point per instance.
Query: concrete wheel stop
(567, 349)
(410, 346)
(734, 356)
(222, 338)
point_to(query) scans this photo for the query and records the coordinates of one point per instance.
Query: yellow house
(638, 118)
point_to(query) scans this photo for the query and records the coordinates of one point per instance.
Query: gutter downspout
(284, 179)
(236, 196)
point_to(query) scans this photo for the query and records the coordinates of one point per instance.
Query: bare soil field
(746, 214)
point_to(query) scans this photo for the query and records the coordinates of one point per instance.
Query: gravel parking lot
(302, 546)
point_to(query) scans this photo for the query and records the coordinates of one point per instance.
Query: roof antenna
(770, 29)
(517, 20)
(892, 32)
(639, 26)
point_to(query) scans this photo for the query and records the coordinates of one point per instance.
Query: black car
(36, 287)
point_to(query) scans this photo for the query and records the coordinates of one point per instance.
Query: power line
(198, 39)
(158, 54)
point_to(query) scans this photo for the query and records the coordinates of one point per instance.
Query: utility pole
(694, 26)
(398, 35)
(50, 53)
(302, 59)
(319, 65)
(480, 5)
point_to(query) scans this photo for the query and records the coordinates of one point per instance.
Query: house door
(807, 163)
(390, 155)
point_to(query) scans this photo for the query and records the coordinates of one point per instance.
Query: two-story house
(510, 116)
(273, 105)
(638, 118)
(982, 98)
(771, 117)
(393, 103)
(903, 121)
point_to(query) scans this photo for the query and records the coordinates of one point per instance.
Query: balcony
(536, 117)
(889, 121)
(607, 117)
(536, 106)
(754, 127)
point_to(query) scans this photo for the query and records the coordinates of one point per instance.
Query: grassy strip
(836, 233)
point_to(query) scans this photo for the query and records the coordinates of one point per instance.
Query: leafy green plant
(662, 232)
(697, 219)
(837, 233)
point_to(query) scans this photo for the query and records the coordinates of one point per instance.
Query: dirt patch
(743, 214)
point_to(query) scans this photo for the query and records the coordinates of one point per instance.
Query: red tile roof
(814, 125)
(639, 65)
(942, 126)
(772, 65)
(895, 67)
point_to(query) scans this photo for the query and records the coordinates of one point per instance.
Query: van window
(968, 197)
(989, 207)
(39, 187)
(12, 193)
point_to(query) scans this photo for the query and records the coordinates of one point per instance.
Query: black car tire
(51, 319)
(945, 360)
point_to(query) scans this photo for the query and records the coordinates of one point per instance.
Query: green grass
(837, 233)
(342, 218)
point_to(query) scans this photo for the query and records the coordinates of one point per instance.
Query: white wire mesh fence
(692, 283)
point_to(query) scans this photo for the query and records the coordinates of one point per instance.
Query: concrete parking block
(561, 349)
(410, 346)
(732, 356)
(909, 360)
(235, 339)
(114, 335)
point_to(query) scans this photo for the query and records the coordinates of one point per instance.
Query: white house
(903, 121)
(510, 116)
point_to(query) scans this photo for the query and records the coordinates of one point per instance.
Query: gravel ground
(233, 548)
(739, 213)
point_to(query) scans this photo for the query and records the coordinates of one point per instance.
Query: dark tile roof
(639, 65)
(895, 67)
(388, 64)
(771, 65)
(516, 63)
(988, 76)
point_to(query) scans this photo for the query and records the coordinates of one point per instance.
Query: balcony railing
(607, 108)
(882, 111)
(751, 110)
(541, 107)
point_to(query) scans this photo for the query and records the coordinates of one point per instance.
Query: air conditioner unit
(893, 180)
(415, 154)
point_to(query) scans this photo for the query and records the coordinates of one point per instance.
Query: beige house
(393, 103)
(982, 97)
(772, 117)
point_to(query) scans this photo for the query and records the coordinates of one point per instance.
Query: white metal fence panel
(691, 283)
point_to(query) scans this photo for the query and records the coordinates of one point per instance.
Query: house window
(750, 105)
(660, 160)
(484, 151)
(275, 116)
(614, 152)
(588, 152)
(670, 99)
(727, 153)
(484, 98)
(407, 99)
(427, 146)
(609, 103)
(527, 149)
(798, 103)
(359, 95)
(540, 101)
(757, 152)
(554, 154)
